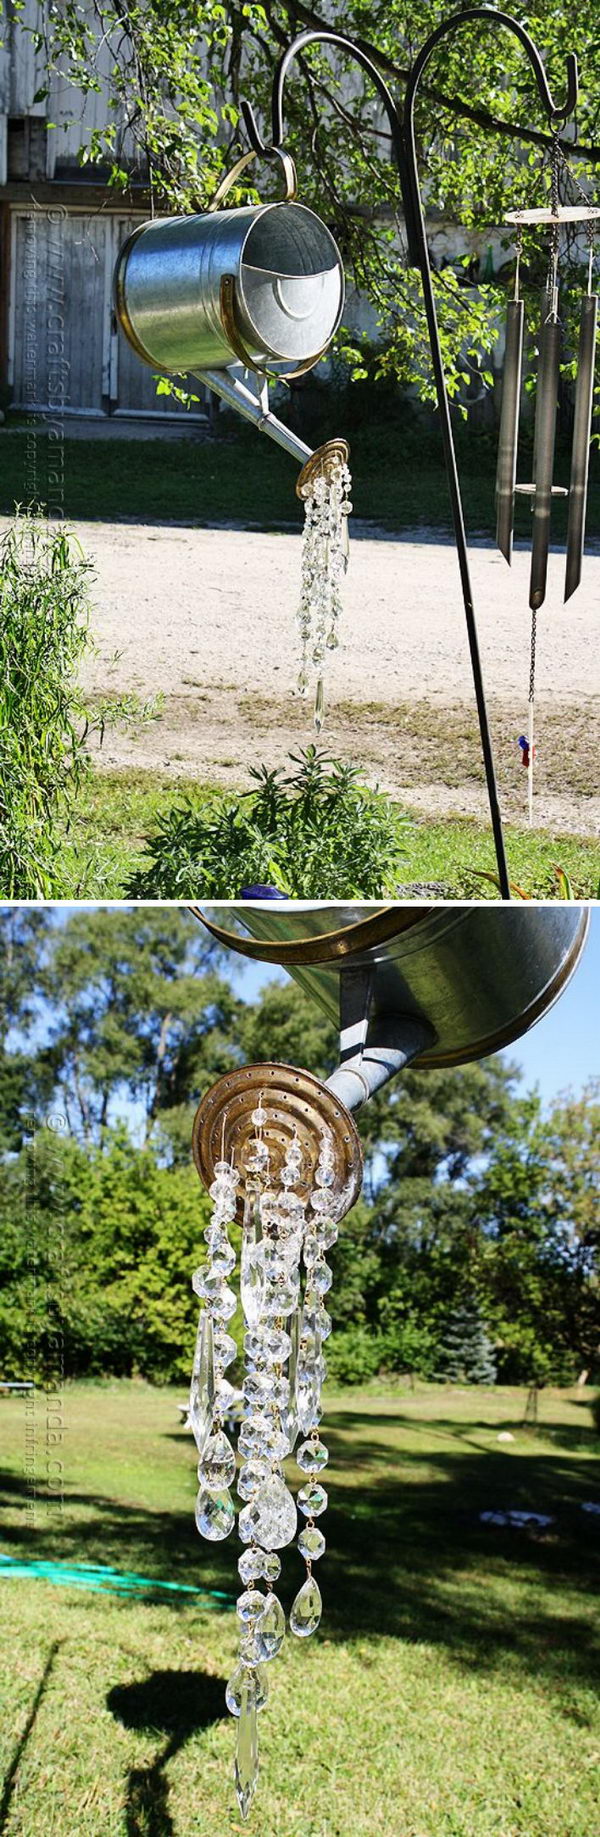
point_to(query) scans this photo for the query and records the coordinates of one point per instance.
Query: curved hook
(490, 15)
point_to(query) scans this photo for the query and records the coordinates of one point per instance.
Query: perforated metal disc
(296, 1104)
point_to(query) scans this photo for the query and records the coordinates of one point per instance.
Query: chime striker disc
(297, 1104)
(323, 462)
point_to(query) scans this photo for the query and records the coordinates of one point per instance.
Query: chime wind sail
(542, 489)
(278, 1151)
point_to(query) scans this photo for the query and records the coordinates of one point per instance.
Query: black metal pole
(405, 153)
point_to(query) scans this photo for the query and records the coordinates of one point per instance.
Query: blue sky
(562, 1052)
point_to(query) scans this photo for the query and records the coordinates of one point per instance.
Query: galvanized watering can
(262, 285)
(442, 986)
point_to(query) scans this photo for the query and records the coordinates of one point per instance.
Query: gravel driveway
(206, 616)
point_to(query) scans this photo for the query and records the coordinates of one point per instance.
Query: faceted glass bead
(282, 1298)
(202, 1387)
(325, 1176)
(215, 1515)
(306, 1610)
(312, 1499)
(249, 1606)
(255, 1565)
(292, 1204)
(289, 1175)
(224, 1303)
(270, 1346)
(226, 1168)
(258, 1161)
(222, 1186)
(217, 1466)
(249, 1647)
(246, 1758)
(270, 1519)
(251, 1476)
(233, 1693)
(324, 1322)
(311, 1543)
(225, 1348)
(276, 1266)
(322, 1278)
(222, 1256)
(327, 1233)
(320, 1201)
(256, 1386)
(259, 1117)
(312, 1457)
(271, 1628)
(308, 1399)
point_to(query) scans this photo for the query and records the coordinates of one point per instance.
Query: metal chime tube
(580, 457)
(506, 476)
(545, 431)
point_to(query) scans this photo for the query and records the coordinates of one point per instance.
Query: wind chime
(238, 297)
(281, 1154)
(557, 217)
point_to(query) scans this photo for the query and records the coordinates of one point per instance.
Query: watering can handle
(289, 174)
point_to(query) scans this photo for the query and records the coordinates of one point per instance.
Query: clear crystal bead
(326, 1232)
(246, 1758)
(312, 1456)
(320, 1201)
(215, 1515)
(312, 1499)
(325, 1176)
(249, 1606)
(222, 1255)
(322, 1278)
(272, 1346)
(276, 1265)
(306, 1609)
(226, 1168)
(224, 1303)
(217, 1466)
(256, 1565)
(256, 1386)
(271, 1628)
(311, 1543)
(252, 1475)
(258, 1161)
(270, 1519)
(259, 1117)
(225, 1348)
(282, 1298)
(233, 1693)
(202, 1387)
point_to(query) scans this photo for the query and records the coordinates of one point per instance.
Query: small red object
(524, 745)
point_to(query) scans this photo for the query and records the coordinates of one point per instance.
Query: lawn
(115, 810)
(449, 1692)
(398, 478)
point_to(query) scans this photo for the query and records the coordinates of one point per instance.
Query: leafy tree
(176, 74)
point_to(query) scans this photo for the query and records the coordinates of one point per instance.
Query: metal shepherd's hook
(405, 154)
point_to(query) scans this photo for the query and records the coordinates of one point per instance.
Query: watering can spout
(360, 1074)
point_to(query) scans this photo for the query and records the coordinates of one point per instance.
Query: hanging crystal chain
(284, 1373)
(324, 564)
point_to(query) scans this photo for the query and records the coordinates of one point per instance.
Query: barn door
(59, 270)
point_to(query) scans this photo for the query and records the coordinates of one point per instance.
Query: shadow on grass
(178, 1703)
(10, 1778)
(408, 1554)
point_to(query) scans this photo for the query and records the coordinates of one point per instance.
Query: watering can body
(477, 977)
(262, 285)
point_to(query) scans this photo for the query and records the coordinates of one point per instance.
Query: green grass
(115, 810)
(449, 1692)
(398, 478)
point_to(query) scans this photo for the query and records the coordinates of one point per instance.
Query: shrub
(353, 1355)
(314, 832)
(43, 635)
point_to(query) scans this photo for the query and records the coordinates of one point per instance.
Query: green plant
(314, 832)
(354, 1355)
(561, 886)
(595, 1408)
(44, 581)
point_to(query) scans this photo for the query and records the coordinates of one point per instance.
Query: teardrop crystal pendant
(202, 1388)
(217, 1467)
(246, 1759)
(271, 1628)
(307, 1609)
(271, 1517)
(215, 1515)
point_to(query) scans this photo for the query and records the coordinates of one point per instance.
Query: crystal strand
(215, 1512)
(312, 1455)
(324, 563)
(246, 1758)
(268, 1520)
